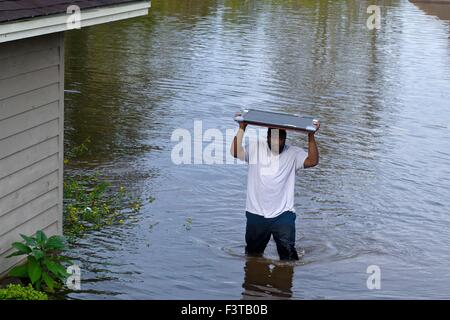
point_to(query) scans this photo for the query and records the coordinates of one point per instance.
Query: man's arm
(236, 149)
(313, 153)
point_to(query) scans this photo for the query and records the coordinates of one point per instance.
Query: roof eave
(38, 26)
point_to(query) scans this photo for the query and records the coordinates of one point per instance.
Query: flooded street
(380, 195)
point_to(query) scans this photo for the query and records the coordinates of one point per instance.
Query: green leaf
(21, 247)
(62, 271)
(19, 271)
(56, 268)
(34, 270)
(38, 285)
(48, 280)
(55, 242)
(41, 237)
(30, 241)
(17, 253)
(65, 259)
(38, 254)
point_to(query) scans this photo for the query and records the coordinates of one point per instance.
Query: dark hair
(282, 133)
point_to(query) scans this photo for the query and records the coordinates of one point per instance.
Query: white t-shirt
(271, 178)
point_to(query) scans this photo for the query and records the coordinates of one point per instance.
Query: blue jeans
(260, 229)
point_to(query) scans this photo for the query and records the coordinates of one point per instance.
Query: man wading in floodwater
(270, 189)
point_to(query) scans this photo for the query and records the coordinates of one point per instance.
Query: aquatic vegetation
(43, 267)
(19, 292)
(78, 150)
(152, 225)
(90, 204)
(188, 224)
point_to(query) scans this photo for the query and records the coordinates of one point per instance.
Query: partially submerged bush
(90, 204)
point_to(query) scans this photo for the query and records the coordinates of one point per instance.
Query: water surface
(380, 195)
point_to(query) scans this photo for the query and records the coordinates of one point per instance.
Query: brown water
(380, 195)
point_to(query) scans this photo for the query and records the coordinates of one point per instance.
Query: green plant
(78, 150)
(90, 204)
(18, 292)
(44, 260)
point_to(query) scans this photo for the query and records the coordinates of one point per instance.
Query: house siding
(31, 139)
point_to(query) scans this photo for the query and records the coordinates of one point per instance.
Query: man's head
(276, 139)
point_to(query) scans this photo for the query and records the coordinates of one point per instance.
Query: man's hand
(242, 125)
(316, 123)
(236, 149)
(313, 153)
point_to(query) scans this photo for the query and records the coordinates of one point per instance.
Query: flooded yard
(380, 196)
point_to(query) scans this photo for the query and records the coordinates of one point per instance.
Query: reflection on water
(263, 279)
(379, 196)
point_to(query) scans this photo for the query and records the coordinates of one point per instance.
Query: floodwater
(379, 198)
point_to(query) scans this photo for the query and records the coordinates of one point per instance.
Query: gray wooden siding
(31, 139)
